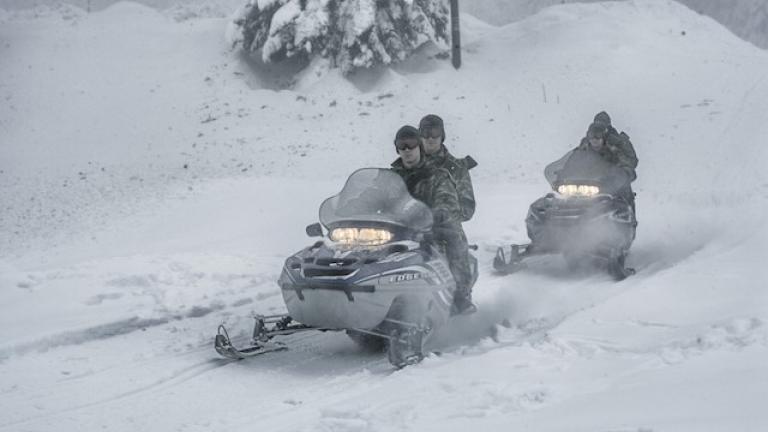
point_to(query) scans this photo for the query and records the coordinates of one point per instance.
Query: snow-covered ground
(745, 18)
(151, 185)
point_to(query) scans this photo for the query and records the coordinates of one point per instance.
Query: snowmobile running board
(261, 343)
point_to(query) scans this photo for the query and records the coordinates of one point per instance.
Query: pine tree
(351, 33)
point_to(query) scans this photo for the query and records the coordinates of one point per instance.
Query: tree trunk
(455, 35)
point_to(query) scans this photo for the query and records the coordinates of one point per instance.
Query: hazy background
(746, 18)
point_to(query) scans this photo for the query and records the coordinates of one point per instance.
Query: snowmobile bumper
(323, 287)
(580, 226)
(330, 285)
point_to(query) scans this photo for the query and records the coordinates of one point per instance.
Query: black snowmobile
(586, 218)
(376, 274)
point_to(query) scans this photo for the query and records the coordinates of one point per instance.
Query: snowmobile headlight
(361, 236)
(578, 190)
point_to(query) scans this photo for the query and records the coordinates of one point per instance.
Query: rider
(434, 187)
(614, 147)
(432, 130)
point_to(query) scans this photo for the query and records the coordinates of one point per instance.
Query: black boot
(462, 304)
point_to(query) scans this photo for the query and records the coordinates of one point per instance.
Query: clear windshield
(586, 167)
(375, 195)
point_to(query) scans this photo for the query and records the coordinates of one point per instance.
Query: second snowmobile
(586, 218)
(376, 274)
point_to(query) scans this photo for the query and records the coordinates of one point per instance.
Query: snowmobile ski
(225, 348)
(505, 265)
(261, 342)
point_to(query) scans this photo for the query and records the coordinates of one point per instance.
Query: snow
(746, 18)
(285, 16)
(313, 24)
(363, 17)
(263, 4)
(152, 183)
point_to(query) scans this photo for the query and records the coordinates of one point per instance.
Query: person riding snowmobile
(434, 187)
(614, 147)
(432, 130)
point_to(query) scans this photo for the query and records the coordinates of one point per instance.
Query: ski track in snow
(162, 384)
(309, 353)
(305, 355)
(734, 335)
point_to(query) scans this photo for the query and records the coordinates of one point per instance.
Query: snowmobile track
(176, 378)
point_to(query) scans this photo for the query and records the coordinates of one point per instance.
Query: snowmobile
(376, 274)
(586, 218)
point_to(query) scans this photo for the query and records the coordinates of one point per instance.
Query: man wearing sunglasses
(433, 186)
(432, 131)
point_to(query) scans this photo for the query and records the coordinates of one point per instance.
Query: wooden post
(455, 36)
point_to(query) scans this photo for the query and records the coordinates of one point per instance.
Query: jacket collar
(399, 165)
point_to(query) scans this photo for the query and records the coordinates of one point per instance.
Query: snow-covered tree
(350, 33)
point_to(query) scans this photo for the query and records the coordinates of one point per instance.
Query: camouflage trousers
(453, 242)
(629, 196)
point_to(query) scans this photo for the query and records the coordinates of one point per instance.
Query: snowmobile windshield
(375, 196)
(586, 167)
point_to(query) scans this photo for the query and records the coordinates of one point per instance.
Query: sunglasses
(410, 145)
(434, 132)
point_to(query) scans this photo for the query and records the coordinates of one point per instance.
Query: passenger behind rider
(432, 130)
(434, 187)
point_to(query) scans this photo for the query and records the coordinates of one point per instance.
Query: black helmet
(408, 132)
(430, 122)
(603, 118)
(597, 130)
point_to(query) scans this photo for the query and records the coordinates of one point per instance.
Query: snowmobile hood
(379, 196)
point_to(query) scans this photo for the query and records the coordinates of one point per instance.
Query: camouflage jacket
(458, 170)
(618, 150)
(434, 187)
